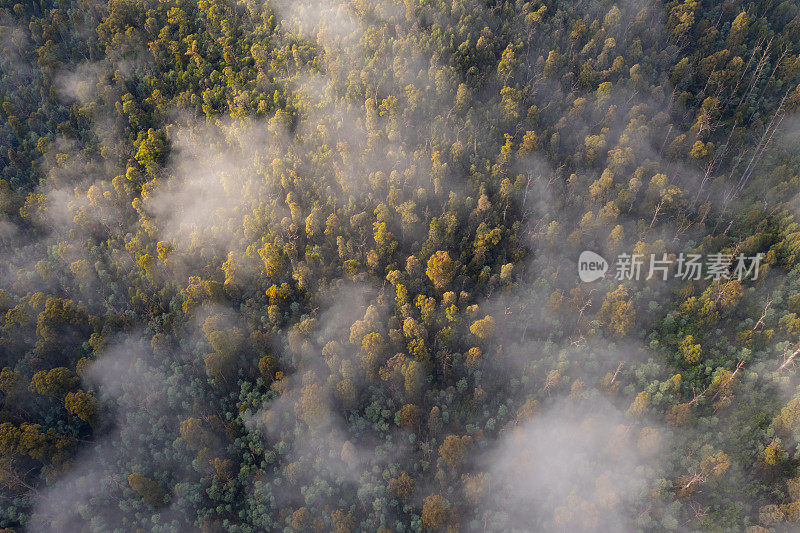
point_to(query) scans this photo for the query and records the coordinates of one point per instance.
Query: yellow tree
(441, 269)
(82, 405)
(617, 312)
(454, 450)
(149, 490)
(483, 328)
(55, 382)
(435, 512)
(690, 350)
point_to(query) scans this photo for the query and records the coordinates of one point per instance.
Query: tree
(220, 367)
(55, 382)
(690, 351)
(483, 328)
(402, 485)
(313, 406)
(372, 346)
(639, 405)
(82, 405)
(408, 415)
(414, 379)
(617, 312)
(267, 368)
(273, 260)
(474, 487)
(346, 393)
(9, 382)
(151, 153)
(507, 64)
(441, 269)
(343, 522)
(454, 450)
(194, 432)
(149, 490)
(435, 512)
(788, 420)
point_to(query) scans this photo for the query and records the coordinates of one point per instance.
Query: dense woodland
(312, 266)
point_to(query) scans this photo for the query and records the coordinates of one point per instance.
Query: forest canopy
(314, 265)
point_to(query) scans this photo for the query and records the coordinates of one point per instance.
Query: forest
(313, 265)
